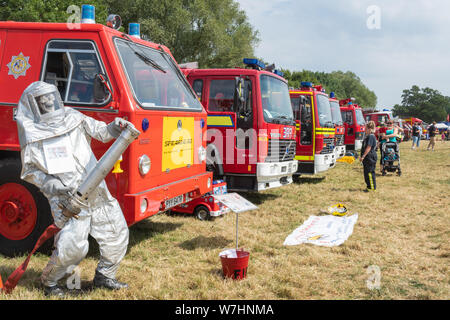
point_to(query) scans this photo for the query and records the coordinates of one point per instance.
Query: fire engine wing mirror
(102, 91)
(303, 100)
(239, 100)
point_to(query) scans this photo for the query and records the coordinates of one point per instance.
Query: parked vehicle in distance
(354, 124)
(339, 148)
(251, 130)
(315, 129)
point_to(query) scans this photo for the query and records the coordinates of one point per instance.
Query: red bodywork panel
(129, 187)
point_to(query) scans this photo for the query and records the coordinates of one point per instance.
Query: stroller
(391, 158)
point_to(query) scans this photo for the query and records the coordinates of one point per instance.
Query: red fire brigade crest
(18, 65)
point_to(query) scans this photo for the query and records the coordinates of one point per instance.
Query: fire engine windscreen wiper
(142, 56)
(149, 61)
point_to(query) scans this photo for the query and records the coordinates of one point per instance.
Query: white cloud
(411, 47)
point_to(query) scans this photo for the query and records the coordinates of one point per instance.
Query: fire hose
(77, 200)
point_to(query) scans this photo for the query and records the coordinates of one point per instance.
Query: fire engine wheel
(24, 211)
(202, 213)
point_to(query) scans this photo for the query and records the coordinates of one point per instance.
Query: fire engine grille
(339, 140)
(281, 150)
(359, 136)
(328, 146)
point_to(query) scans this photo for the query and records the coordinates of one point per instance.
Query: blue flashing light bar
(254, 63)
(278, 72)
(134, 30)
(332, 95)
(87, 13)
(350, 103)
(306, 84)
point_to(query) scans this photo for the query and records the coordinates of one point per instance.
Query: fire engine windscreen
(359, 117)
(324, 111)
(276, 102)
(336, 113)
(156, 80)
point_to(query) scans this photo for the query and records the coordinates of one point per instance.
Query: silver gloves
(54, 187)
(116, 126)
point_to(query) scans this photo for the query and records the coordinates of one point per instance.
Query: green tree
(424, 103)
(343, 84)
(215, 33)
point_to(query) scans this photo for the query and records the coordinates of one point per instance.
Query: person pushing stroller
(389, 149)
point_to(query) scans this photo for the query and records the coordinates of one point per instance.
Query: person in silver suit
(56, 157)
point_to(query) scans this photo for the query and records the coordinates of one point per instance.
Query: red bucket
(234, 263)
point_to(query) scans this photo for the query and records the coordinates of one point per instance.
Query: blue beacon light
(332, 95)
(278, 72)
(145, 124)
(87, 13)
(134, 30)
(306, 84)
(254, 63)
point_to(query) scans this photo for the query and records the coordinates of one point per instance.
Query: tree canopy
(424, 103)
(215, 33)
(343, 84)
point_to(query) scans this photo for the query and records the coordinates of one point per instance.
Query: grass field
(403, 229)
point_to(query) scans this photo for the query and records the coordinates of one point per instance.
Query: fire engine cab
(339, 148)
(105, 74)
(380, 117)
(315, 129)
(251, 130)
(354, 124)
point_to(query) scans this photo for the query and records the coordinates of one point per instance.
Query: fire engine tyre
(202, 213)
(24, 212)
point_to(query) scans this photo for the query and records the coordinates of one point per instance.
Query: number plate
(173, 202)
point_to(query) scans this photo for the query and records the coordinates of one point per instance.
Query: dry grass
(403, 229)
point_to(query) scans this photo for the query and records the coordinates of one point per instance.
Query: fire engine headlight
(144, 164)
(201, 154)
(144, 205)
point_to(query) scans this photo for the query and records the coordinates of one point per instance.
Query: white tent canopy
(441, 126)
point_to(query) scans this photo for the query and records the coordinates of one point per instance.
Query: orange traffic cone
(1, 283)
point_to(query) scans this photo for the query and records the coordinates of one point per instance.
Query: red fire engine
(380, 117)
(105, 74)
(251, 131)
(315, 129)
(339, 148)
(354, 124)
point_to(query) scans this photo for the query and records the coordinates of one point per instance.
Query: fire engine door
(228, 128)
(306, 134)
(2, 44)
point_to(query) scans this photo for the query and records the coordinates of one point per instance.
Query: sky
(390, 45)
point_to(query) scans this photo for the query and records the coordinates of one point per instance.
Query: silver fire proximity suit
(56, 157)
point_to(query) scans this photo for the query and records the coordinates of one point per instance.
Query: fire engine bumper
(339, 151)
(274, 174)
(219, 212)
(144, 204)
(323, 162)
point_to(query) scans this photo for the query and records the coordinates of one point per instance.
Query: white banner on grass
(325, 231)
